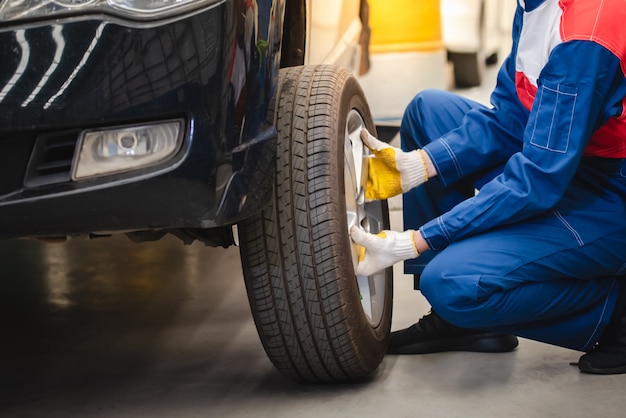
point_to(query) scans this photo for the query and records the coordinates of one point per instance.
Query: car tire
(318, 321)
(468, 68)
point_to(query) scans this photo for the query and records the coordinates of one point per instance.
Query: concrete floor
(108, 328)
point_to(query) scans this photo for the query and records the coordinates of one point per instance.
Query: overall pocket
(554, 116)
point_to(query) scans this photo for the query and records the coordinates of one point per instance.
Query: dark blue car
(198, 119)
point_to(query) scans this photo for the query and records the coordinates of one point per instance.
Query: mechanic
(540, 250)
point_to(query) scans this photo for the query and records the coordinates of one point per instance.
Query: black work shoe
(609, 354)
(603, 359)
(432, 334)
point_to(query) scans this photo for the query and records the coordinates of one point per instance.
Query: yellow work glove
(391, 171)
(382, 250)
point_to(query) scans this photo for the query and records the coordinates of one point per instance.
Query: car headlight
(108, 151)
(11, 10)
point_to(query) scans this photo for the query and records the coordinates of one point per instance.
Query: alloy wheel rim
(366, 215)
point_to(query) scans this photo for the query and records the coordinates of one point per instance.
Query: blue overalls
(540, 250)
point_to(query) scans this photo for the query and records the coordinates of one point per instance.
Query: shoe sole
(481, 343)
(587, 368)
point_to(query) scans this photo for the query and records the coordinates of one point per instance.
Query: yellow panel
(405, 25)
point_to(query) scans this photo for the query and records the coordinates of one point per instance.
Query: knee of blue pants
(412, 127)
(431, 114)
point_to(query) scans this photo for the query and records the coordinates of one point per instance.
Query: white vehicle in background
(473, 32)
(334, 29)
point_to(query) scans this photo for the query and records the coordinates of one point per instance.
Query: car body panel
(90, 73)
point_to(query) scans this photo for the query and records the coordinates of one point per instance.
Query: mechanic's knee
(412, 133)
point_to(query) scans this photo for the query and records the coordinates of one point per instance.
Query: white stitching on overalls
(570, 228)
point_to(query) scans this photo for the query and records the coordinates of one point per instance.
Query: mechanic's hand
(391, 171)
(382, 250)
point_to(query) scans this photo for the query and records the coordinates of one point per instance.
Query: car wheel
(317, 321)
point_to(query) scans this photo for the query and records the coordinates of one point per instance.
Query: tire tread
(295, 264)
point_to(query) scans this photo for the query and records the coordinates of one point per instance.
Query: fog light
(115, 150)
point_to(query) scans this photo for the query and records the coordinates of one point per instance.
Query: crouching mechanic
(540, 250)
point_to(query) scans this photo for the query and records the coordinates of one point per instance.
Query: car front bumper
(214, 69)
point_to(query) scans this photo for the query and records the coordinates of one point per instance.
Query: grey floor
(108, 328)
